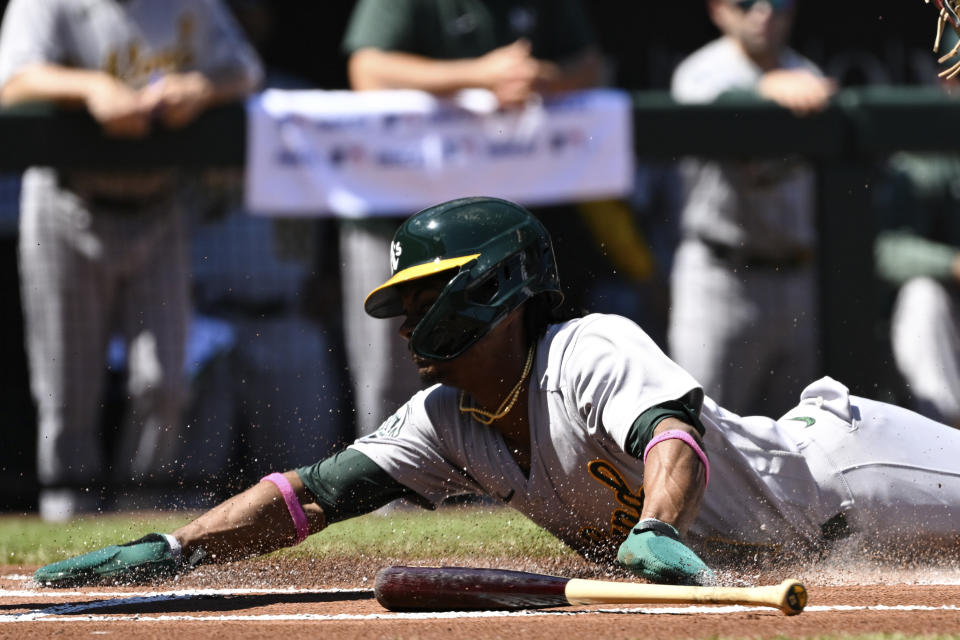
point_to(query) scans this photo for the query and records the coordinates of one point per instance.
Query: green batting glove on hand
(141, 560)
(653, 549)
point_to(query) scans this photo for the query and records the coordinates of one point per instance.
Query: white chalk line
(73, 612)
(46, 617)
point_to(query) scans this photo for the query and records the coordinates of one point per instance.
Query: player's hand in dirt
(142, 560)
(654, 551)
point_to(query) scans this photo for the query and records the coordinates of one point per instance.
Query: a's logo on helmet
(395, 251)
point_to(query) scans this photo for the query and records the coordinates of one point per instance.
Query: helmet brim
(384, 301)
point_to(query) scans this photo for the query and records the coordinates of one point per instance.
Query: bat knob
(794, 597)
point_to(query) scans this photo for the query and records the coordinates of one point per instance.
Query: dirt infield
(333, 599)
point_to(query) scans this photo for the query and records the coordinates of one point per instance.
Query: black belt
(745, 258)
(115, 203)
(120, 204)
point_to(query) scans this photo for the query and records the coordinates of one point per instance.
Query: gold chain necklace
(485, 417)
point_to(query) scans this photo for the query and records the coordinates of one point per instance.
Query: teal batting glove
(142, 560)
(653, 550)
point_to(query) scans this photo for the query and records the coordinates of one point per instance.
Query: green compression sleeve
(350, 484)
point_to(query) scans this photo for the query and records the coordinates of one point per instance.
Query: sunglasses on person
(778, 6)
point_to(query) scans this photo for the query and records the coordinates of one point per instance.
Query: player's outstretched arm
(117, 107)
(280, 511)
(268, 516)
(675, 475)
(262, 519)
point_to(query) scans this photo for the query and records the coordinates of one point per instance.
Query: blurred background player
(920, 256)
(744, 316)
(271, 315)
(918, 252)
(279, 379)
(104, 252)
(516, 49)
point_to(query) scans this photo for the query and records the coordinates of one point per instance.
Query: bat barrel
(466, 589)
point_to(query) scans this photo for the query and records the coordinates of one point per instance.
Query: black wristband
(657, 526)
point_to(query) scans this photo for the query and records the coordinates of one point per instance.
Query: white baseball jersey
(125, 267)
(742, 221)
(135, 41)
(592, 378)
(765, 207)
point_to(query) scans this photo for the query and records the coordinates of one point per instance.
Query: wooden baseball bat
(467, 589)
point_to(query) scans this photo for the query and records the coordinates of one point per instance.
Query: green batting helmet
(502, 256)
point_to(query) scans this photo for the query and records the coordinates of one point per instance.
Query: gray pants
(87, 275)
(748, 335)
(894, 472)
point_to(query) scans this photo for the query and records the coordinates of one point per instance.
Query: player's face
(760, 26)
(473, 366)
(417, 298)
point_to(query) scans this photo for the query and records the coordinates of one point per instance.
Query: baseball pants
(895, 473)
(748, 335)
(925, 337)
(87, 275)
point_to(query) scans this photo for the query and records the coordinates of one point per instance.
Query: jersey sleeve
(698, 79)
(349, 484)
(224, 47)
(408, 447)
(614, 373)
(382, 24)
(31, 33)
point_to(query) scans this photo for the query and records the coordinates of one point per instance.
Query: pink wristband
(293, 505)
(676, 434)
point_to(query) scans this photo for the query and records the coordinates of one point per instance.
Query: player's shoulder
(434, 400)
(586, 339)
(592, 324)
(708, 71)
(422, 413)
(709, 56)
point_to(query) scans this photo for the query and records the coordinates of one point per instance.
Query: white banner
(371, 153)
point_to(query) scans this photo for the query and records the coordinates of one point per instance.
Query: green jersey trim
(641, 432)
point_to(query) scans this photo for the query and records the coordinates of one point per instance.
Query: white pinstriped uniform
(381, 371)
(890, 471)
(90, 269)
(748, 333)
